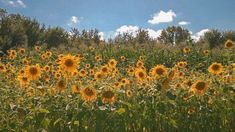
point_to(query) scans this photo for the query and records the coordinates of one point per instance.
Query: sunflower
(98, 58)
(129, 93)
(104, 70)
(22, 50)
(123, 58)
(82, 73)
(2, 68)
(117, 85)
(98, 75)
(139, 63)
(88, 94)
(112, 63)
(186, 50)
(33, 72)
(75, 89)
(88, 66)
(124, 81)
(229, 44)
(69, 63)
(47, 68)
(200, 87)
(140, 74)
(23, 80)
(48, 54)
(215, 68)
(182, 64)
(159, 71)
(61, 85)
(206, 52)
(37, 48)
(108, 97)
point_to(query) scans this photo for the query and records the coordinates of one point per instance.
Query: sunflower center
(215, 67)
(200, 85)
(159, 71)
(33, 70)
(89, 92)
(141, 74)
(25, 79)
(69, 63)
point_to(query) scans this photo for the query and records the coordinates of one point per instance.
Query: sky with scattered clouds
(113, 16)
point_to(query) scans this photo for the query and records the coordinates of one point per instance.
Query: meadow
(118, 88)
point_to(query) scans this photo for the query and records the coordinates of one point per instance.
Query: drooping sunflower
(33, 72)
(229, 44)
(140, 74)
(108, 97)
(2, 68)
(69, 63)
(61, 85)
(75, 89)
(215, 68)
(88, 94)
(199, 87)
(159, 71)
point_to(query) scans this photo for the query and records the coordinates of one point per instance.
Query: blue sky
(110, 16)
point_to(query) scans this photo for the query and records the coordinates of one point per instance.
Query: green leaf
(57, 121)
(44, 111)
(76, 123)
(121, 111)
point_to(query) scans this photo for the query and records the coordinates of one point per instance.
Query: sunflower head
(61, 85)
(33, 72)
(159, 71)
(215, 68)
(112, 63)
(76, 89)
(186, 50)
(229, 44)
(140, 74)
(88, 94)
(129, 93)
(206, 52)
(23, 80)
(69, 63)
(200, 87)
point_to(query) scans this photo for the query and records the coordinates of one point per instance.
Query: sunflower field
(118, 88)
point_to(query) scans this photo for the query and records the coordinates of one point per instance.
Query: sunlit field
(118, 88)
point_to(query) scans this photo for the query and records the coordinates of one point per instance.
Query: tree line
(17, 30)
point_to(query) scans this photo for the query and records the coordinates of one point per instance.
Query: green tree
(213, 37)
(174, 35)
(53, 37)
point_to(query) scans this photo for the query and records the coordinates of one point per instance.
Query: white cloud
(17, 3)
(101, 35)
(133, 30)
(127, 29)
(21, 3)
(182, 23)
(74, 20)
(162, 17)
(154, 34)
(199, 34)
